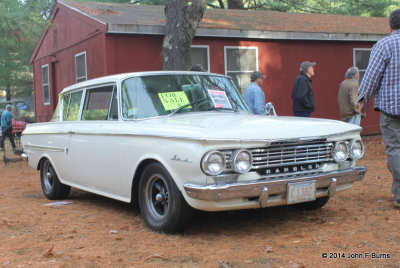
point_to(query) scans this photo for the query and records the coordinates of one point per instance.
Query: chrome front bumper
(263, 189)
(25, 157)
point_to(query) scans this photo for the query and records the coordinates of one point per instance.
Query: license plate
(300, 192)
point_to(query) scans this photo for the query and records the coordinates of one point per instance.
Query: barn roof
(150, 19)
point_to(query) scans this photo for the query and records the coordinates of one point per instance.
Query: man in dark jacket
(302, 92)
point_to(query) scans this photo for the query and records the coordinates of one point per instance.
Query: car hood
(222, 126)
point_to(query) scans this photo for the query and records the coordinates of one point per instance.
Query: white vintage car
(177, 141)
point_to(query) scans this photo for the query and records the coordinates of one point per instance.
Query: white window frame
(76, 68)
(239, 47)
(354, 56)
(48, 83)
(208, 54)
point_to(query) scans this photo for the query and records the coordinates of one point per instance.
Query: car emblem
(177, 158)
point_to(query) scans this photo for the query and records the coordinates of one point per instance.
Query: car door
(93, 147)
(64, 118)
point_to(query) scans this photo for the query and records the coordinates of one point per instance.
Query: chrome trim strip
(275, 187)
(257, 166)
(43, 148)
(267, 141)
(296, 174)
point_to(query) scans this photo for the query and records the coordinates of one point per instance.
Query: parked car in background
(173, 142)
(18, 127)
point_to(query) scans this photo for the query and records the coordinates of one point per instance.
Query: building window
(80, 67)
(361, 59)
(46, 84)
(200, 55)
(240, 62)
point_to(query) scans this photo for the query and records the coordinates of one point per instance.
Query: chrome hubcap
(158, 196)
(48, 177)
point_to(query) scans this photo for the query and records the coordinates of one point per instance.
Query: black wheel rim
(157, 196)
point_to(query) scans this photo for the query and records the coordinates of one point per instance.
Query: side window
(71, 105)
(80, 67)
(66, 98)
(113, 114)
(240, 62)
(361, 59)
(98, 103)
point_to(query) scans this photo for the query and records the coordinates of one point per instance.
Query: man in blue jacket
(6, 127)
(254, 96)
(302, 92)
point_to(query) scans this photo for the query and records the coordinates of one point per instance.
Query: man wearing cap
(302, 92)
(6, 127)
(254, 96)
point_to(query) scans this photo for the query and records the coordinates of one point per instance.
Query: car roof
(113, 79)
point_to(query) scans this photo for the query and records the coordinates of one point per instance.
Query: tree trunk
(8, 92)
(235, 4)
(183, 17)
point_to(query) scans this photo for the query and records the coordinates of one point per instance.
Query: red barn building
(85, 40)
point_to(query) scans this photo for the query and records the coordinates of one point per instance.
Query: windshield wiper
(186, 105)
(221, 108)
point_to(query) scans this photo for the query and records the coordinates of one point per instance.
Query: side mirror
(270, 109)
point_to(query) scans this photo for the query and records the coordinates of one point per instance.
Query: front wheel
(52, 188)
(161, 203)
(313, 205)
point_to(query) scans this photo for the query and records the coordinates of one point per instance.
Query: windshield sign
(151, 96)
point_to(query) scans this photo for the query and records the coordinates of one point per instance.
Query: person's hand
(363, 108)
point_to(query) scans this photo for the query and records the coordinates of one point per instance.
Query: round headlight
(242, 161)
(341, 151)
(356, 150)
(213, 163)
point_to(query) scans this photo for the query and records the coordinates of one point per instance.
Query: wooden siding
(118, 53)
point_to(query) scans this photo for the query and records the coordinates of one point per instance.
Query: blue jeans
(301, 114)
(355, 119)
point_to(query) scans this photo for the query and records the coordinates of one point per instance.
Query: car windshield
(159, 95)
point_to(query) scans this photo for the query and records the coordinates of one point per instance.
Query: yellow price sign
(173, 100)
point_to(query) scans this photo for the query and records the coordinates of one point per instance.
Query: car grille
(288, 157)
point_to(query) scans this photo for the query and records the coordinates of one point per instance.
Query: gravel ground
(357, 228)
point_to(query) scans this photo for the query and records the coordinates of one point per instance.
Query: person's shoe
(396, 204)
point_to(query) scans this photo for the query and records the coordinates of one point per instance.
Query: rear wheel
(313, 205)
(161, 203)
(52, 188)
